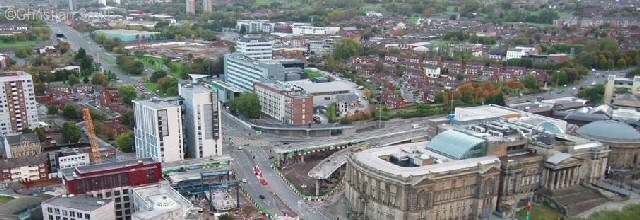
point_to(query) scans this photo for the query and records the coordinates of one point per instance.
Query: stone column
(302, 158)
(570, 179)
(554, 176)
(576, 177)
(560, 179)
(545, 176)
(317, 187)
(566, 178)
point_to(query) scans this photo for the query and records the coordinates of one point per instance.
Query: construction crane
(93, 140)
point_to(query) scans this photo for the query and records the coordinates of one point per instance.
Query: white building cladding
(202, 129)
(158, 131)
(255, 47)
(18, 108)
(78, 207)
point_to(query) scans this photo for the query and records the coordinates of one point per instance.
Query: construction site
(177, 51)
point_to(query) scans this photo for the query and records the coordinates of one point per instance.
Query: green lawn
(540, 213)
(151, 86)
(14, 45)
(5, 199)
(154, 63)
(312, 74)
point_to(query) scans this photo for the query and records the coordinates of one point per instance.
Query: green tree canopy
(100, 79)
(247, 105)
(128, 94)
(125, 142)
(347, 48)
(71, 132)
(69, 111)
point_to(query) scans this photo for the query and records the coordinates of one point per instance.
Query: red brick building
(109, 97)
(285, 103)
(111, 175)
(112, 180)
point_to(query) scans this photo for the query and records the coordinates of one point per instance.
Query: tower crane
(93, 140)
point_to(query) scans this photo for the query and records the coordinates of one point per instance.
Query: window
(51, 217)
(116, 193)
(79, 215)
(50, 210)
(87, 216)
(108, 194)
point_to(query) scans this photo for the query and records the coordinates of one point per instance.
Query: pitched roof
(17, 139)
(454, 144)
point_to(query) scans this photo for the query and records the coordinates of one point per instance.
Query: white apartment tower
(103, 2)
(202, 128)
(207, 5)
(191, 6)
(18, 108)
(158, 131)
(255, 47)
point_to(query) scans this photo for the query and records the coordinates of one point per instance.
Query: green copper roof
(458, 145)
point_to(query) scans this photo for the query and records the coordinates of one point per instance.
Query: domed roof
(610, 130)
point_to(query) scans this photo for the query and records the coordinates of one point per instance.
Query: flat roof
(156, 104)
(371, 158)
(196, 161)
(485, 112)
(113, 165)
(80, 202)
(333, 86)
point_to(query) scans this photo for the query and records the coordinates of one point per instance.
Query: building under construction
(206, 178)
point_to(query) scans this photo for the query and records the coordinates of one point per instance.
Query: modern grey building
(202, 124)
(256, 47)
(243, 71)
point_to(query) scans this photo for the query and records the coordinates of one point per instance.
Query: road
(83, 40)
(593, 78)
(277, 192)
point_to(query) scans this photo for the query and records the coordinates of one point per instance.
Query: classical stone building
(414, 182)
(472, 168)
(20, 145)
(622, 139)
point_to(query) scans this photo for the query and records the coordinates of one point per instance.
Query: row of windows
(65, 214)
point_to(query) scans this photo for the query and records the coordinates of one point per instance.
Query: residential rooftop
(80, 202)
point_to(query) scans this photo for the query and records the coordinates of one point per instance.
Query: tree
(347, 48)
(331, 112)
(73, 80)
(125, 142)
(128, 94)
(24, 51)
(157, 75)
(247, 105)
(531, 82)
(86, 66)
(100, 79)
(52, 109)
(71, 132)
(41, 136)
(63, 47)
(128, 119)
(168, 86)
(81, 54)
(69, 111)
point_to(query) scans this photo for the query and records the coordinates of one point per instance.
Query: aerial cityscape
(320, 110)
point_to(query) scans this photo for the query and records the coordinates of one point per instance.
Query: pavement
(83, 40)
(277, 191)
(634, 198)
